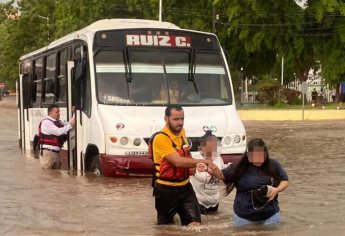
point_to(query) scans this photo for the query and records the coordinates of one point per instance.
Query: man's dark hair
(170, 107)
(51, 107)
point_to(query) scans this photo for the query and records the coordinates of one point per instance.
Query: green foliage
(330, 48)
(41, 22)
(256, 34)
(259, 33)
(268, 90)
(291, 96)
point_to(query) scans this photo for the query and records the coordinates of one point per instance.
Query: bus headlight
(227, 140)
(124, 140)
(137, 141)
(237, 139)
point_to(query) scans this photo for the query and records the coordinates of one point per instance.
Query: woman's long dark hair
(267, 167)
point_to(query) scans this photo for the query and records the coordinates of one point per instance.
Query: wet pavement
(53, 202)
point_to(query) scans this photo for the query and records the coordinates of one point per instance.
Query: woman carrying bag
(258, 180)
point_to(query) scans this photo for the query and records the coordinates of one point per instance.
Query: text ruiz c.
(158, 40)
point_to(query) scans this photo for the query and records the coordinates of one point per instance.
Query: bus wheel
(36, 147)
(95, 166)
(37, 153)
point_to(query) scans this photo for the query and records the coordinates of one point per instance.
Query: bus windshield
(160, 77)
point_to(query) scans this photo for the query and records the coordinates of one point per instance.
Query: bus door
(72, 152)
(75, 76)
(21, 131)
(24, 103)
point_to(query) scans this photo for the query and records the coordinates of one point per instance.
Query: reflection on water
(52, 202)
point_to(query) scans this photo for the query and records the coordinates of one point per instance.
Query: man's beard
(173, 129)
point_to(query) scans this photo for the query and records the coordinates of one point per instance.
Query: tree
(259, 33)
(41, 22)
(330, 48)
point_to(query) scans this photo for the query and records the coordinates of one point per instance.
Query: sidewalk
(291, 114)
(8, 102)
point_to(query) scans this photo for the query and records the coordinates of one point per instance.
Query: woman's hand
(273, 194)
(282, 186)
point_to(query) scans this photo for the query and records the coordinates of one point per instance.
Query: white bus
(120, 74)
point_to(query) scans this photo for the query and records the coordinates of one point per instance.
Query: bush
(268, 92)
(291, 96)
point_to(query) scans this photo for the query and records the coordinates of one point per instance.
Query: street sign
(2, 85)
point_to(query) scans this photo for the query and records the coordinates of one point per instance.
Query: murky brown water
(47, 202)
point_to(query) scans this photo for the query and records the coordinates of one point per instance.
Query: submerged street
(53, 202)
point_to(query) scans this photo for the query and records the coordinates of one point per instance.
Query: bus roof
(107, 24)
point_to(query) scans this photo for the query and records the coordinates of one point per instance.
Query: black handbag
(259, 197)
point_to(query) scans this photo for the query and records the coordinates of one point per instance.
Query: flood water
(53, 202)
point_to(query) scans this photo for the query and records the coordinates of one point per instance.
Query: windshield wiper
(191, 70)
(128, 66)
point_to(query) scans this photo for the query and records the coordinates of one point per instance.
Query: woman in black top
(258, 180)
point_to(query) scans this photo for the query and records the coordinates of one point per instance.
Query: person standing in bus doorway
(206, 187)
(52, 135)
(172, 190)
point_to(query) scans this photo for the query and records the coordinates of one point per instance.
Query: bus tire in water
(95, 166)
(36, 147)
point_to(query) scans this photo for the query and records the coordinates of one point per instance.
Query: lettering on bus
(135, 153)
(158, 40)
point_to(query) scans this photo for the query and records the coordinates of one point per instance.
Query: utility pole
(282, 75)
(160, 10)
(215, 18)
(242, 79)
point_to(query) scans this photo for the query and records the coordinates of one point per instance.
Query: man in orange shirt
(173, 192)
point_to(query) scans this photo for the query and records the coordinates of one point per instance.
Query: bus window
(86, 92)
(197, 78)
(62, 74)
(191, 78)
(111, 81)
(211, 78)
(27, 83)
(49, 81)
(37, 83)
(177, 68)
(148, 82)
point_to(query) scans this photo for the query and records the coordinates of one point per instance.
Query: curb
(291, 114)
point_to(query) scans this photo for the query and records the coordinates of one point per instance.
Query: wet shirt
(252, 179)
(162, 147)
(205, 186)
(49, 128)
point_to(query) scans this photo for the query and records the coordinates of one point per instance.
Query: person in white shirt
(52, 135)
(205, 186)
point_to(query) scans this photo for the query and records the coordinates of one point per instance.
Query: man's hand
(201, 167)
(72, 121)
